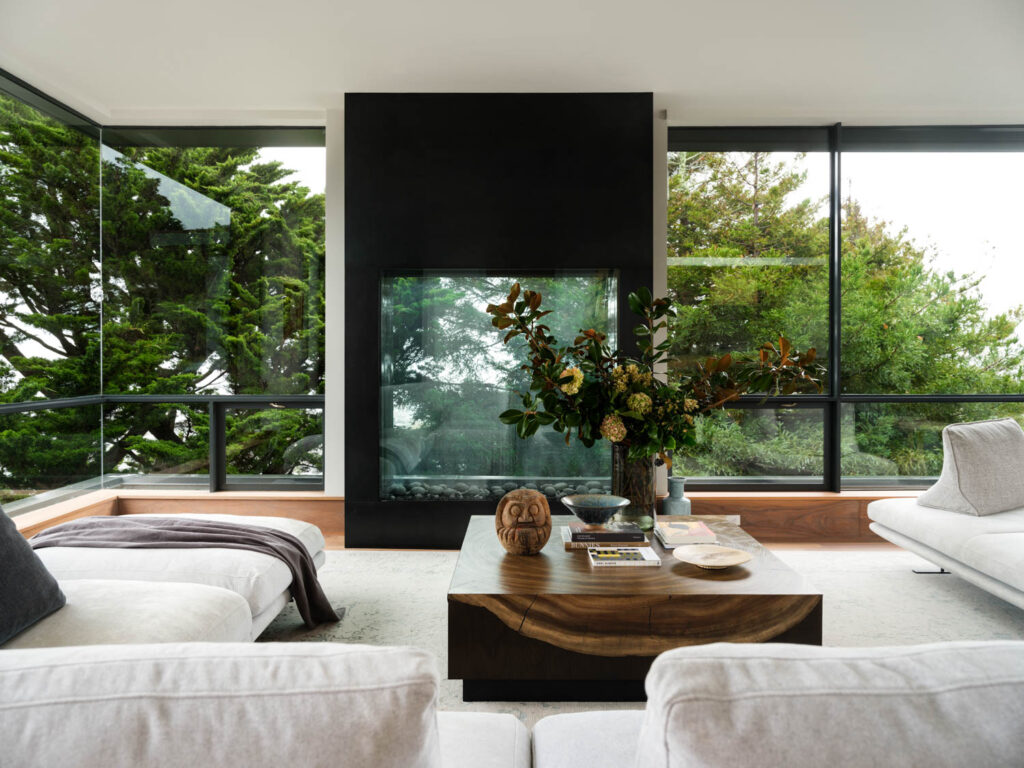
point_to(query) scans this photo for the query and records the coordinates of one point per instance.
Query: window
(748, 260)
(919, 324)
(446, 375)
(161, 304)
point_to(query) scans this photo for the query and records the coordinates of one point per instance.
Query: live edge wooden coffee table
(550, 627)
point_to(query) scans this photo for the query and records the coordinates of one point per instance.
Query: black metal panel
(833, 430)
(118, 136)
(934, 138)
(770, 139)
(36, 99)
(502, 182)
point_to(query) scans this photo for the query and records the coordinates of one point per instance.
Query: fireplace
(450, 198)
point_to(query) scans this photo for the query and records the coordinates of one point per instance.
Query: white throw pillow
(227, 705)
(982, 469)
(945, 705)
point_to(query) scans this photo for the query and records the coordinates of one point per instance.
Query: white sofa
(266, 705)
(168, 595)
(986, 550)
(245, 705)
(796, 706)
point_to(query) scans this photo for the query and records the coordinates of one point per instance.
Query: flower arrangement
(593, 392)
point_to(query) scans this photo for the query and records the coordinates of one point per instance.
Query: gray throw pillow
(982, 469)
(28, 592)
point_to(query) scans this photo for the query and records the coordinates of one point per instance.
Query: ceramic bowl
(594, 508)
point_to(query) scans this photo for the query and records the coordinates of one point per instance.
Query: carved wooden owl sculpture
(523, 521)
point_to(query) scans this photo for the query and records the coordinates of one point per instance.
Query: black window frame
(837, 139)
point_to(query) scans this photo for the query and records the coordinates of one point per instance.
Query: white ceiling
(717, 62)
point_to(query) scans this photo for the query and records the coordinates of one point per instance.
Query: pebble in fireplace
(494, 488)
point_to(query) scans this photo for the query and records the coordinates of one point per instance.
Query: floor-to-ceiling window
(890, 250)
(161, 304)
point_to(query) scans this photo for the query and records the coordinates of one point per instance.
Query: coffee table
(550, 627)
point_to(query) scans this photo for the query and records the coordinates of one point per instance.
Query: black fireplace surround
(499, 184)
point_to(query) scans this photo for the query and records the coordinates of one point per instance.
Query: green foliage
(594, 392)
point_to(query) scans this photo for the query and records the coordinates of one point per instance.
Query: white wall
(660, 213)
(334, 278)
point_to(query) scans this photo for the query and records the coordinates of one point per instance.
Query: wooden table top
(485, 568)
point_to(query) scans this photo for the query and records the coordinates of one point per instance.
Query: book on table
(604, 557)
(674, 534)
(611, 532)
(572, 546)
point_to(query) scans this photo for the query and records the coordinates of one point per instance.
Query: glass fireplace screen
(446, 375)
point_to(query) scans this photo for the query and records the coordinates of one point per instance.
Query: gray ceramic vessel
(594, 508)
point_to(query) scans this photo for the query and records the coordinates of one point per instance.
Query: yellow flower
(690, 404)
(573, 386)
(619, 379)
(639, 403)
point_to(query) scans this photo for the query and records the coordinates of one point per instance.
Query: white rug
(871, 598)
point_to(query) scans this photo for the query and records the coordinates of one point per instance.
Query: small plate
(711, 556)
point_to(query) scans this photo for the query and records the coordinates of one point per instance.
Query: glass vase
(634, 480)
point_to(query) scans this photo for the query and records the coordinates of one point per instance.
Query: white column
(334, 287)
(660, 246)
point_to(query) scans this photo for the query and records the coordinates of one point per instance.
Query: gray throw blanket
(191, 533)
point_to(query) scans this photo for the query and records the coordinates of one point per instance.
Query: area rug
(872, 597)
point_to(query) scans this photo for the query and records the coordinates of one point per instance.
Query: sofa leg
(929, 570)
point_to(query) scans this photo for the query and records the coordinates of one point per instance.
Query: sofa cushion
(607, 739)
(220, 704)
(949, 532)
(951, 704)
(111, 611)
(981, 468)
(483, 740)
(257, 577)
(999, 555)
(28, 592)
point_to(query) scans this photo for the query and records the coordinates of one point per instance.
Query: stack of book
(580, 536)
(673, 534)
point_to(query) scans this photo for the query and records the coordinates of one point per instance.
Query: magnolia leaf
(510, 416)
(634, 304)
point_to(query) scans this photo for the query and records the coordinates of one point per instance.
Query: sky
(309, 164)
(963, 207)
